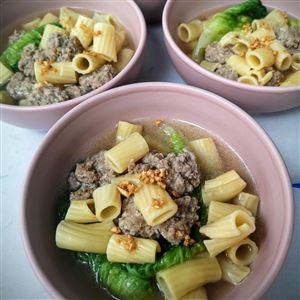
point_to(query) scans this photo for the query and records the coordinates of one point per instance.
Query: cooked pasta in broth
(161, 198)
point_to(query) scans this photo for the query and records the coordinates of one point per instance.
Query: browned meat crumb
(215, 53)
(227, 72)
(84, 192)
(85, 172)
(289, 37)
(19, 86)
(277, 78)
(15, 36)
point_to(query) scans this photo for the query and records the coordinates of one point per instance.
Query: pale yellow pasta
(105, 18)
(261, 23)
(49, 29)
(266, 78)
(5, 98)
(110, 19)
(131, 149)
(32, 24)
(5, 74)
(216, 246)
(222, 188)
(125, 129)
(80, 211)
(228, 226)
(207, 156)
(124, 57)
(261, 76)
(249, 201)
(244, 253)
(155, 204)
(239, 64)
(296, 61)
(68, 18)
(229, 38)
(196, 294)
(83, 30)
(283, 58)
(248, 80)
(263, 33)
(291, 80)
(210, 66)
(129, 249)
(48, 18)
(241, 46)
(104, 41)
(231, 272)
(260, 58)
(187, 47)
(120, 36)
(177, 281)
(218, 210)
(87, 62)
(188, 32)
(57, 73)
(83, 237)
(132, 178)
(107, 202)
(277, 18)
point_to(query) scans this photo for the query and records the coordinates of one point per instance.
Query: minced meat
(73, 183)
(132, 221)
(226, 72)
(183, 174)
(84, 192)
(215, 53)
(86, 173)
(277, 78)
(289, 37)
(15, 36)
(19, 86)
(176, 228)
(73, 91)
(97, 78)
(61, 47)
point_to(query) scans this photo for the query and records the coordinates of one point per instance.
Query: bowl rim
(196, 67)
(160, 86)
(68, 104)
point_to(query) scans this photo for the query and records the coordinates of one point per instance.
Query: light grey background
(18, 146)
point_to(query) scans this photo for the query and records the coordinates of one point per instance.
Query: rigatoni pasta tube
(218, 210)
(57, 73)
(207, 156)
(222, 188)
(216, 246)
(107, 202)
(120, 36)
(87, 62)
(132, 178)
(277, 18)
(177, 281)
(80, 211)
(188, 32)
(124, 58)
(5, 98)
(196, 294)
(241, 46)
(292, 79)
(296, 61)
(49, 29)
(248, 201)
(67, 18)
(244, 253)
(5, 74)
(248, 80)
(83, 237)
(260, 58)
(129, 249)
(104, 41)
(228, 226)
(48, 18)
(131, 149)
(263, 33)
(155, 204)
(32, 24)
(83, 30)
(231, 272)
(229, 38)
(239, 64)
(125, 129)
(283, 58)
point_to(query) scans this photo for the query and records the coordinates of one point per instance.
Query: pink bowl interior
(76, 135)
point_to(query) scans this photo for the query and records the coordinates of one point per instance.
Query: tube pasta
(249, 201)
(229, 38)
(218, 210)
(241, 46)
(239, 64)
(155, 204)
(87, 62)
(283, 58)
(188, 32)
(5, 98)
(210, 66)
(244, 253)
(48, 18)
(196, 294)
(81, 211)
(293, 79)
(120, 37)
(32, 24)
(49, 29)
(107, 202)
(131, 149)
(57, 73)
(5, 74)
(231, 272)
(83, 237)
(260, 58)
(216, 246)
(124, 58)
(296, 60)
(125, 129)
(228, 226)
(263, 33)
(105, 41)
(68, 18)
(132, 178)
(277, 18)
(196, 272)
(83, 30)
(207, 156)
(223, 187)
(128, 249)
(261, 24)
(248, 80)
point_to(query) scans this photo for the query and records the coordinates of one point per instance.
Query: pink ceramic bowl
(75, 136)
(43, 117)
(152, 9)
(251, 98)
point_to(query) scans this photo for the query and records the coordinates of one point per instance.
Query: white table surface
(18, 146)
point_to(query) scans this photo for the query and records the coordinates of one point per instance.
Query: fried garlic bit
(128, 243)
(116, 229)
(157, 203)
(188, 241)
(157, 176)
(158, 122)
(127, 188)
(264, 42)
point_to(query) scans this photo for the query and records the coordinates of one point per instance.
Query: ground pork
(96, 79)
(226, 72)
(15, 36)
(73, 91)
(276, 79)
(217, 54)
(61, 47)
(132, 221)
(176, 228)
(73, 183)
(84, 192)
(19, 86)
(183, 175)
(289, 37)
(30, 54)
